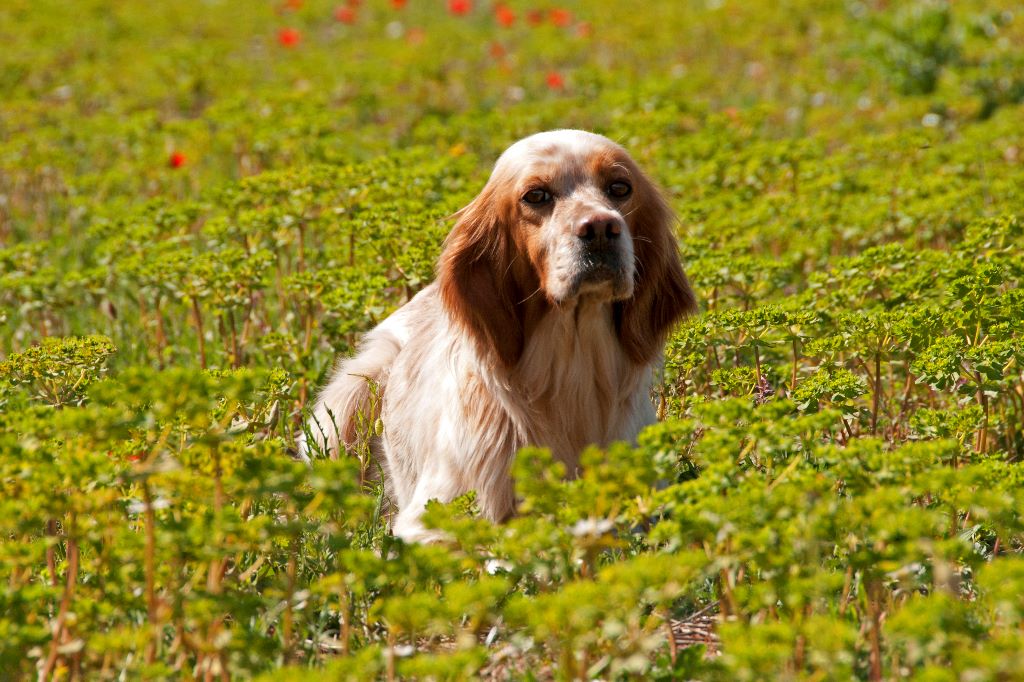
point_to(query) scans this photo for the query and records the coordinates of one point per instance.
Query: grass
(202, 205)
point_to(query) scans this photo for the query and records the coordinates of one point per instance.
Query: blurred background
(101, 101)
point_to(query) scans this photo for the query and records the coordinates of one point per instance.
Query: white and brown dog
(555, 292)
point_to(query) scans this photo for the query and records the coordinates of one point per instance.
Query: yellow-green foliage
(203, 203)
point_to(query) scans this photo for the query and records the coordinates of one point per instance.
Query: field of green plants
(204, 202)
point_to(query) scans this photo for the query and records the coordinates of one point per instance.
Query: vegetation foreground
(203, 203)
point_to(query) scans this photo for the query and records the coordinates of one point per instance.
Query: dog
(555, 292)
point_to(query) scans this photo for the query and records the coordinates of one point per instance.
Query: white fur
(454, 418)
(454, 424)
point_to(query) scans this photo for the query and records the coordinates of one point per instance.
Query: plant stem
(59, 625)
(161, 334)
(345, 612)
(796, 359)
(983, 432)
(757, 363)
(236, 353)
(51, 554)
(875, 609)
(307, 326)
(876, 395)
(389, 659)
(288, 618)
(197, 319)
(150, 569)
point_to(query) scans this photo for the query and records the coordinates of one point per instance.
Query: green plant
(197, 218)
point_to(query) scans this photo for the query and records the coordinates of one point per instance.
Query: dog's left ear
(661, 293)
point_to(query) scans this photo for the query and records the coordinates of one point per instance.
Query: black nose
(599, 228)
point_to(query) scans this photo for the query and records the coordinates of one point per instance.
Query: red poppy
(460, 7)
(560, 17)
(535, 17)
(505, 16)
(293, 4)
(346, 14)
(555, 80)
(289, 37)
(354, 3)
(497, 50)
(398, 4)
(177, 160)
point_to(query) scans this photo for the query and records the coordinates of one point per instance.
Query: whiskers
(629, 213)
(535, 292)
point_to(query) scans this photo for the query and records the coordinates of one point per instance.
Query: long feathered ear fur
(662, 293)
(479, 283)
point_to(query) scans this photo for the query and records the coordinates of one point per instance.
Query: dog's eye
(619, 189)
(537, 196)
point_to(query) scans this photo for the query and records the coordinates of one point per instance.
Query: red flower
(535, 17)
(560, 17)
(346, 14)
(505, 16)
(497, 50)
(354, 3)
(584, 29)
(555, 80)
(398, 4)
(177, 160)
(292, 5)
(289, 37)
(460, 7)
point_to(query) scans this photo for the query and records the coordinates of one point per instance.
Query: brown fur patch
(662, 292)
(487, 277)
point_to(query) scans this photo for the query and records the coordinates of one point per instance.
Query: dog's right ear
(662, 293)
(476, 278)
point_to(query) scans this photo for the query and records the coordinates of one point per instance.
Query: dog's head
(565, 215)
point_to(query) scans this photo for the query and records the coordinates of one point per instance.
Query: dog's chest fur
(572, 387)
